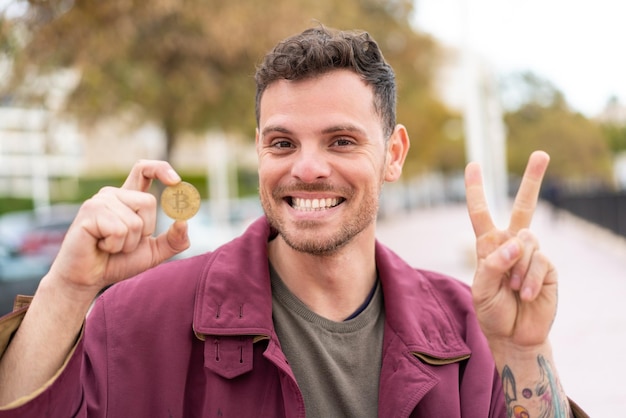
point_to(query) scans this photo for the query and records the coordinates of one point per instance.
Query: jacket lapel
(234, 298)
(234, 293)
(419, 334)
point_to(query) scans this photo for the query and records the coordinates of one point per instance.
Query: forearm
(530, 383)
(43, 340)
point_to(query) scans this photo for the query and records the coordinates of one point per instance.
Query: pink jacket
(195, 338)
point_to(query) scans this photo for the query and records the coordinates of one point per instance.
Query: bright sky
(578, 45)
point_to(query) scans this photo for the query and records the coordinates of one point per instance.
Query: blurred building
(42, 154)
(39, 155)
(614, 113)
(43, 151)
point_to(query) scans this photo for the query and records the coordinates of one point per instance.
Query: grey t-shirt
(336, 364)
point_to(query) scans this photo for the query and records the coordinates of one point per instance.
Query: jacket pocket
(228, 356)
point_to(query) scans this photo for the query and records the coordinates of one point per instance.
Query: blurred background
(89, 87)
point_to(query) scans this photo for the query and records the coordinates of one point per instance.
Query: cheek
(265, 195)
(270, 175)
(266, 174)
(271, 169)
(379, 170)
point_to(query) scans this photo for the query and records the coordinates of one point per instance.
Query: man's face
(322, 160)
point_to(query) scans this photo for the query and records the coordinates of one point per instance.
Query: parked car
(29, 241)
(19, 276)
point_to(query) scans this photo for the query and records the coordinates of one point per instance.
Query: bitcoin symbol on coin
(180, 202)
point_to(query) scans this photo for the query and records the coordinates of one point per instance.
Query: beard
(308, 236)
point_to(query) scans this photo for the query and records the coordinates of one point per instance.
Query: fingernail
(526, 293)
(510, 251)
(173, 175)
(516, 281)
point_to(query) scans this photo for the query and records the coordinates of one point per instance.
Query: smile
(314, 204)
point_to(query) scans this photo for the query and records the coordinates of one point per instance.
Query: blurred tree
(615, 134)
(8, 46)
(188, 64)
(543, 120)
(6, 35)
(613, 122)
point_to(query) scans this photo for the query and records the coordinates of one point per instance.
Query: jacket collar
(234, 298)
(234, 293)
(415, 311)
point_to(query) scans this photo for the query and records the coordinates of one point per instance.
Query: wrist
(64, 297)
(507, 349)
(530, 380)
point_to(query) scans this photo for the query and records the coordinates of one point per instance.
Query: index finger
(144, 171)
(528, 193)
(477, 206)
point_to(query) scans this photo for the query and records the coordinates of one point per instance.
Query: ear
(256, 139)
(397, 148)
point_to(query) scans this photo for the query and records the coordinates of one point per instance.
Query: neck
(333, 286)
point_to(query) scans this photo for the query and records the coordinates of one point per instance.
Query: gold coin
(180, 202)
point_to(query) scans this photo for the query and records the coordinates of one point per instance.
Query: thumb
(175, 240)
(494, 268)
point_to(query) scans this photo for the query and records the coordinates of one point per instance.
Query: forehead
(334, 95)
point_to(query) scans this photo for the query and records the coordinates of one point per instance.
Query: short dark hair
(320, 50)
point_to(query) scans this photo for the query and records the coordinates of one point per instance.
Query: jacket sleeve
(577, 410)
(62, 395)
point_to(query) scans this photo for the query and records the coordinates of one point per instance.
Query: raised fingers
(477, 206)
(528, 193)
(144, 171)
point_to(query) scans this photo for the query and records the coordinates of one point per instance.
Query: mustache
(305, 187)
(311, 187)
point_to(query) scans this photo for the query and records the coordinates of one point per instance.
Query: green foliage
(616, 136)
(88, 186)
(189, 66)
(576, 144)
(582, 149)
(8, 42)
(520, 89)
(11, 204)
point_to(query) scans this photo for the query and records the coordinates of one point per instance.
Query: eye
(343, 142)
(282, 144)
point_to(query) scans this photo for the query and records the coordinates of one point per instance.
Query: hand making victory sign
(515, 294)
(515, 286)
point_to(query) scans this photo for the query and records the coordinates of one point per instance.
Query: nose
(310, 165)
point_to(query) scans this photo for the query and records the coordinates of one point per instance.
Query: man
(305, 313)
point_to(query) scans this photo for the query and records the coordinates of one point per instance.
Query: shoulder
(169, 290)
(446, 289)
(455, 294)
(423, 295)
(446, 286)
(166, 290)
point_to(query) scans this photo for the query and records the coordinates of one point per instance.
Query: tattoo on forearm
(546, 393)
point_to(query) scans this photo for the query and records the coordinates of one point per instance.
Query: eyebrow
(325, 131)
(343, 128)
(275, 128)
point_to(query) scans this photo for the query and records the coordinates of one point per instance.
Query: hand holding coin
(180, 202)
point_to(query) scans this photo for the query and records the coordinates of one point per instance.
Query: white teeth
(313, 204)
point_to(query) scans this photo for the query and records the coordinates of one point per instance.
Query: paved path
(589, 335)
